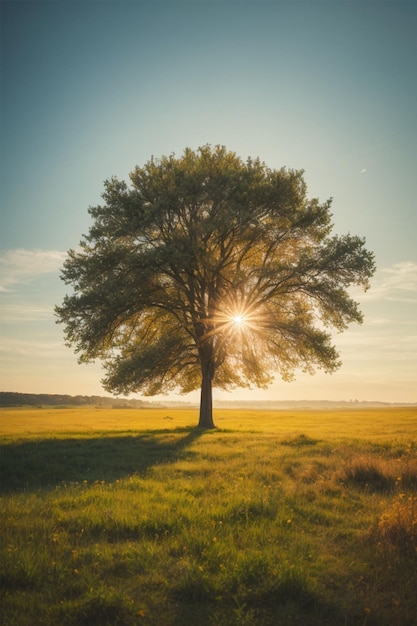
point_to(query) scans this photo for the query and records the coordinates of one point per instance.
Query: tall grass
(166, 525)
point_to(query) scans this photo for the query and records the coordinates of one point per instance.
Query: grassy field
(133, 517)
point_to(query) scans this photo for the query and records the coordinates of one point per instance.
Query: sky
(90, 89)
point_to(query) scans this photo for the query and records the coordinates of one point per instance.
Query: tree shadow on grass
(47, 463)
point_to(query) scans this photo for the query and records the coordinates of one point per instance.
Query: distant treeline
(11, 398)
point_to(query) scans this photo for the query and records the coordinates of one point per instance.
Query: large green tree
(208, 270)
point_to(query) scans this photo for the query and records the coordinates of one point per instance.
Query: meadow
(133, 517)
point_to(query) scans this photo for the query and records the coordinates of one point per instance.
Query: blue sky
(91, 89)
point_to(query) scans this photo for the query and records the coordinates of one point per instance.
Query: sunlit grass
(128, 517)
(377, 424)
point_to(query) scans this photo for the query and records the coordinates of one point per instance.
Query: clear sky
(92, 88)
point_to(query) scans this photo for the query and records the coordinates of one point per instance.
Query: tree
(208, 270)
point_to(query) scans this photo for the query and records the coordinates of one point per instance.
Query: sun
(233, 319)
(238, 319)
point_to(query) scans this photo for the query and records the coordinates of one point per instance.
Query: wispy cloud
(387, 340)
(35, 348)
(22, 266)
(395, 283)
(25, 311)
(366, 343)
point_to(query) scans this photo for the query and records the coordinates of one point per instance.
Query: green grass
(132, 517)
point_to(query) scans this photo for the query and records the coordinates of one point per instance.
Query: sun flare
(234, 318)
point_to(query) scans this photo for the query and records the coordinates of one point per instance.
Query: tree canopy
(210, 270)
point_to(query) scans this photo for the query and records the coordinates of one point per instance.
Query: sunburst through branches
(235, 318)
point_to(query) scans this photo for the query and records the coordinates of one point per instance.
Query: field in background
(132, 516)
(377, 423)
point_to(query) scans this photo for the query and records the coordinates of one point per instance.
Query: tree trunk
(206, 401)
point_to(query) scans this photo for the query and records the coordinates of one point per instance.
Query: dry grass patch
(381, 472)
(397, 527)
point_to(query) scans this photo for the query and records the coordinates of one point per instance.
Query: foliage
(138, 529)
(209, 270)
